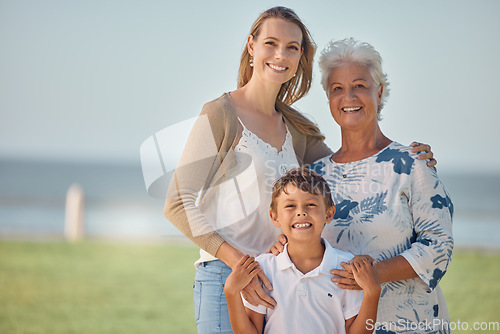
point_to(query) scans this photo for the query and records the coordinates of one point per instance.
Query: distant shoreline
(179, 241)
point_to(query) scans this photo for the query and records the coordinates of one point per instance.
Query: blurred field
(97, 287)
(91, 287)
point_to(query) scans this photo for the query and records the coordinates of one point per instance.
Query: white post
(73, 227)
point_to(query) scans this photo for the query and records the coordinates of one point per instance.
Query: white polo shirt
(307, 303)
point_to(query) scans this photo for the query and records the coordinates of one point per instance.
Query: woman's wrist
(228, 254)
(395, 269)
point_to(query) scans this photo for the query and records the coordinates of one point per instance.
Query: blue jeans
(210, 305)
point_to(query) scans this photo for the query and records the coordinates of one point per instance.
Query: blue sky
(91, 80)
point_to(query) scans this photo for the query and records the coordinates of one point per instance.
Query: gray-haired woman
(390, 206)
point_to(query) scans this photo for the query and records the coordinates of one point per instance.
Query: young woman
(220, 193)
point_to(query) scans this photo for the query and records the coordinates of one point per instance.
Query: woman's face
(354, 96)
(276, 51)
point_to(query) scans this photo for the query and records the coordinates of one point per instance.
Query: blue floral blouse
(392, 204)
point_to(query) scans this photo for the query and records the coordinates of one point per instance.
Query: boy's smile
(300, 214)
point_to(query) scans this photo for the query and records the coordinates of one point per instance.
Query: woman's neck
(258, 96)
(360, 143)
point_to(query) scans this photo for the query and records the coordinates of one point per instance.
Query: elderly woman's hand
(345, 278)
(426, 153)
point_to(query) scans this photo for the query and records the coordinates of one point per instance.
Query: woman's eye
(293, 47)
(270, 43)
(360, 86)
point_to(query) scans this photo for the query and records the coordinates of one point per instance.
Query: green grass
(96, 287)
(472, 288)
(91, 287)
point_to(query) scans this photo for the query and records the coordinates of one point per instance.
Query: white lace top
(241, 214)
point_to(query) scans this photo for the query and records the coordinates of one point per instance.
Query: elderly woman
(390, 205)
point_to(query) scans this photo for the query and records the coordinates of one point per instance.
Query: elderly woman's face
(354, 96)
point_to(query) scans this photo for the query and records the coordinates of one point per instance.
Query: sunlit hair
(305, 180)
(298, 86)
(349, 50)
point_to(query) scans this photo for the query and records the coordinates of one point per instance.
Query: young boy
(307, 300)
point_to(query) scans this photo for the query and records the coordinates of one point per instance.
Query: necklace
(344, 175)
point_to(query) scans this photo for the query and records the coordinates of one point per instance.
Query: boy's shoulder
(335, 256)
(266, 259)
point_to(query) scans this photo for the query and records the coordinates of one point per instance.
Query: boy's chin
(303, 238)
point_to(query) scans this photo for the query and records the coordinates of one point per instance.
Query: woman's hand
(244, 271)
(255, 294)
(427, 153)
(345, 278)
(279, 246)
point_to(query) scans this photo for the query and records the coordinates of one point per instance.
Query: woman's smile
(351, 109)
(277, 68)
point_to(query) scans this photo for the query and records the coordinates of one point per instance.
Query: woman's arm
(430, 254)
(388, 270)
(432, 212)
(202, 156)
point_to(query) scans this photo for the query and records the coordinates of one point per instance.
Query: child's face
(301, 215)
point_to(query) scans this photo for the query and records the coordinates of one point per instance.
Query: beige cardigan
(208, 159)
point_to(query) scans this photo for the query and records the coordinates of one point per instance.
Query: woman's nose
(280, 53)
(350, 94)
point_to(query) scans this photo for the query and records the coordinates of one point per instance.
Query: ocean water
(32, 203)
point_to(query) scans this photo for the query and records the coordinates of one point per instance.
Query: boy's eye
(311, 204)
(289, 206)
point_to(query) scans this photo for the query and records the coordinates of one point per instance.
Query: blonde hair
(295, 88)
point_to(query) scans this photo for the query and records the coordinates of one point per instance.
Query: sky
(89, 81)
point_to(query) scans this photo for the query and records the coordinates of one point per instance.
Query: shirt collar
(329, 259)
(283, 259)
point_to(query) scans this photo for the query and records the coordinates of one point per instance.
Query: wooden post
(73, 228)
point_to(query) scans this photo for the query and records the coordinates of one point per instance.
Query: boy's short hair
(305, 180)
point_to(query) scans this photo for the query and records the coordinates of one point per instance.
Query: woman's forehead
(281, 30)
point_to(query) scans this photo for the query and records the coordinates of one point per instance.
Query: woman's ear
(381, 90)
(274, 217)
(250, 45)
(330, 212)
